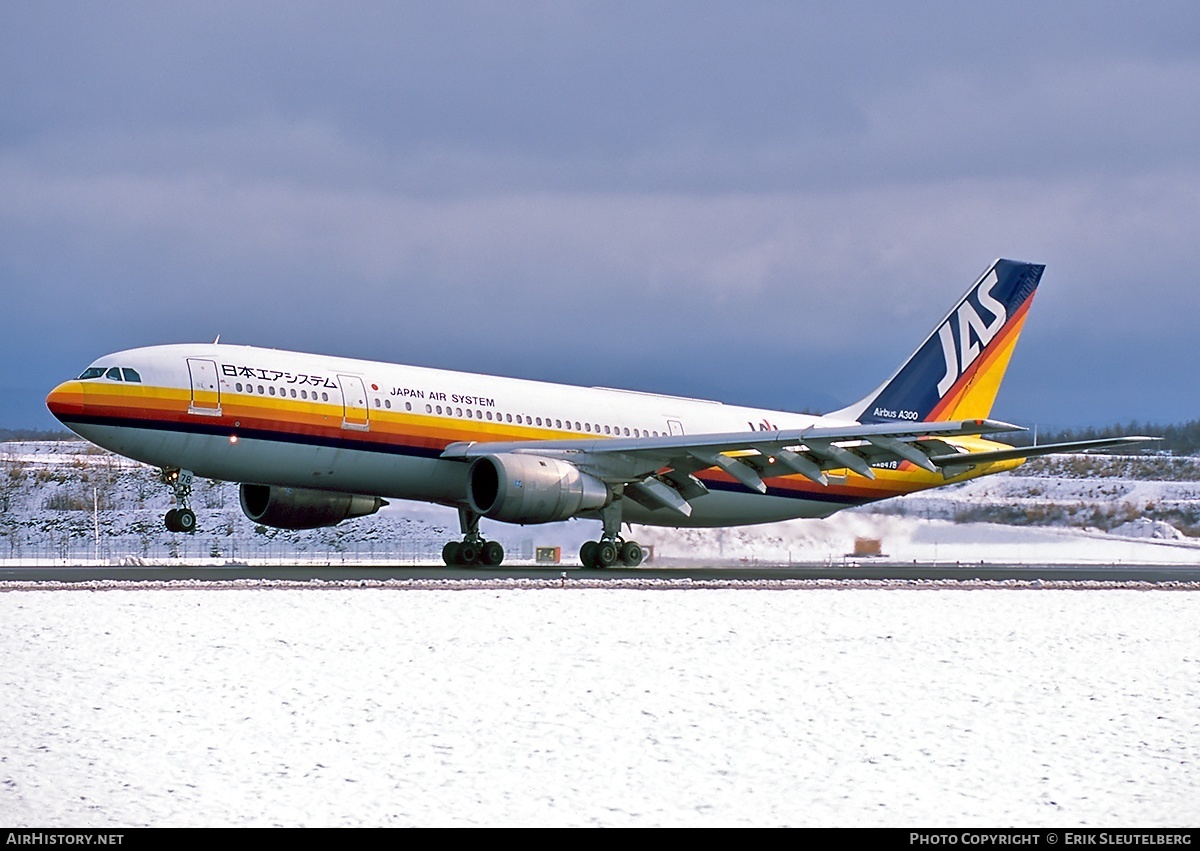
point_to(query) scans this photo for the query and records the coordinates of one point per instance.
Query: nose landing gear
(181, 518)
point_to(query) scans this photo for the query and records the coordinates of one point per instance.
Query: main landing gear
(181, 518)
(611, 548)
(473, 549)
(606, 553)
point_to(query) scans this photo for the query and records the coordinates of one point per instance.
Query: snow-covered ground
(391, 704)
(596, 707)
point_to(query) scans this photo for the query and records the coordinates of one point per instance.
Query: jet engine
(532, 489)
(302, 508)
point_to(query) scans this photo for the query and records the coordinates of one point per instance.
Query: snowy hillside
(1130, 496)
(66, 500)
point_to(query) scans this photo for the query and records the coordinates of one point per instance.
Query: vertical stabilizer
(956, 373)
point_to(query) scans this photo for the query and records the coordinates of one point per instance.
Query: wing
(659, 472)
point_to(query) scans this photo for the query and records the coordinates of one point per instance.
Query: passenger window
(114, 374)
(131, 374)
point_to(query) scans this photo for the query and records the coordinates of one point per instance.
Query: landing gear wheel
(468, 553)
(493, 553)
(587, 554)
(606, 554)
(631, 554)
(172, 520)
(450, 553)
(185, 520)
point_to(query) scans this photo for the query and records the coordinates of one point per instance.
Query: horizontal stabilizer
(969, 459)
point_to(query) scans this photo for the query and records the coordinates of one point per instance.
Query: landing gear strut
(473, 549)
(611, 548)
(181, 518)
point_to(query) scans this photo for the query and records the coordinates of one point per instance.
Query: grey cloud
(766, 202)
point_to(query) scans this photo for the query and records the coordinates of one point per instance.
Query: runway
(563, 575)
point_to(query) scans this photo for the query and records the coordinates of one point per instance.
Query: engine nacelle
(532, 489)
(301, 508)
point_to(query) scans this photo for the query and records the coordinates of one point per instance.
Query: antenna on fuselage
(217, 340)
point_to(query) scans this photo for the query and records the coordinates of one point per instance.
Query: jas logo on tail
(973, 332)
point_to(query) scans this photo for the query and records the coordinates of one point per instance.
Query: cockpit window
(114, 374)
(130, 374)
(92, 372)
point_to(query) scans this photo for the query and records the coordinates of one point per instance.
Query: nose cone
(66, 401)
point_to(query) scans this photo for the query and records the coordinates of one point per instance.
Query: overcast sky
(764, 203)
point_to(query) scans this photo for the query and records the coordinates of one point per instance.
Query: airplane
(315, 440)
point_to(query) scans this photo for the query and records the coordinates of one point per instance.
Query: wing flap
(654, 493)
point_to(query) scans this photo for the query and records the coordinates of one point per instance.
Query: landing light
(232, 439)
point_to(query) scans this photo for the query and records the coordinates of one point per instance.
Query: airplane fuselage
(264, 416)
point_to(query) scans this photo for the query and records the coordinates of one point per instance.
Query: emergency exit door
(354, 402)
(206, 387)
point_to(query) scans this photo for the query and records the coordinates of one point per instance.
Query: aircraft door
(206, 387)
(675, 426)
(354, 402)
